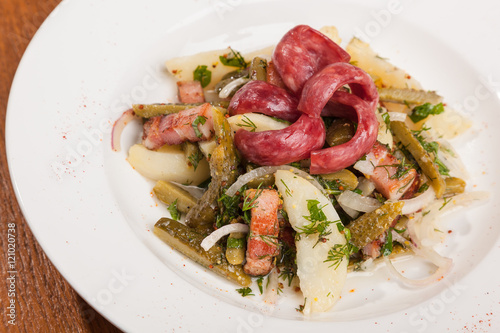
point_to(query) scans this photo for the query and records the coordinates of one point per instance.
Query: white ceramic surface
(93, 214)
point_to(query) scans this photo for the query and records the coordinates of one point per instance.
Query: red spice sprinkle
(210, 266)
(450, 231)
(141, 107)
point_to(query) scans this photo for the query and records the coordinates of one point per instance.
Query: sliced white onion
(118, 127)
(397, 116)
(266, 170)
(358, 202)
(349, 211)
(441, 271)
(415, 204)
(364, 166)
(366, 186)
(214, 237)
(228, 88)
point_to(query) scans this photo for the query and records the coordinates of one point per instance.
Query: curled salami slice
(321, 87)
(263, 97)
(336, 158)
(302, 52)
(335, 107)
(284, 146)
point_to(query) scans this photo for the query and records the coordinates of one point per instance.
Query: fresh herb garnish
(195, 158)
(198, 120)
(233, 59)
(259, 284)
(174, 212)
(202, 74)
(387, 247)
(387, 120)
(287, 189)
(319, 223)
(249, 203)
(248, 123)
(423, 188)
(339, 251)
(402, 168)
(302, 306)
(235, 243)
(445, 202)
(423, 111)
(245, 291)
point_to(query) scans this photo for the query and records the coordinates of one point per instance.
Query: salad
(299, 163)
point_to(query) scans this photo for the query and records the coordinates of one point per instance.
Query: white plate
(93, 214)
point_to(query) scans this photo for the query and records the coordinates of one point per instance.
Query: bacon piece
(384, 174)
(190, 92)
(302, 52)
(262, 245)
(278, 147)
(173, 129)
(265, 98)
(336, 158)
(320, 88)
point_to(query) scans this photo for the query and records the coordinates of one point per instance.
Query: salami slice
(265, 98)
(336, 158)
(302, 52)
(321, 87)
(284, 146)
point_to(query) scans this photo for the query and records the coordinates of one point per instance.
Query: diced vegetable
(235, 248)
(188, 242)
(258, 69)
(344, 177)
(168, 193)
(426, 162)
(339, 132)
(370, 226)
(454, 186)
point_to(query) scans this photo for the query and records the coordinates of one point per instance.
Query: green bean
(188, 242)
(426, 162)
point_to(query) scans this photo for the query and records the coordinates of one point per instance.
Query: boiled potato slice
(383, 73)
(320, 283)
(168, 164)
(183, 67)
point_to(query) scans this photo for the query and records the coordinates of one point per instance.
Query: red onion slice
(118, 127)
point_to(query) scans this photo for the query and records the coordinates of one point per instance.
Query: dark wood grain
(44, 301)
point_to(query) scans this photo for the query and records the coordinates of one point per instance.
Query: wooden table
(45, 302)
